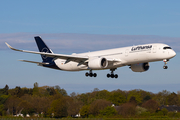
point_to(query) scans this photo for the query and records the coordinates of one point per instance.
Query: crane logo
(45, 50)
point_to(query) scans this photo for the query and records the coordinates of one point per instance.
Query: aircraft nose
(173, 53)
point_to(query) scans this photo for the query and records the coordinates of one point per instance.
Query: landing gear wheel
(165, 63)
(116, 76)
(90, 74)
(112, 75)
(165, 67)
(87, 74)
(108, 75)
(94, 74)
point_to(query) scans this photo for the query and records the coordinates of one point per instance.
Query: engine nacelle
(98, 63)
(141, 67)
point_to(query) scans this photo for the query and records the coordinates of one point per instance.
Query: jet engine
(98, 63)
(141, 67)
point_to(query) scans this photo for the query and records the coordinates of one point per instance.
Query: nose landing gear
(165, 63)
(90, 74)
(112, 75)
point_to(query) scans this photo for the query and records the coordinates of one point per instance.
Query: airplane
(137, 57)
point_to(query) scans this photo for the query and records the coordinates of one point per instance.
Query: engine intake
(141, 67)
(98, 63)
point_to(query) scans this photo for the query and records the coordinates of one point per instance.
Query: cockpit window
(167, 48)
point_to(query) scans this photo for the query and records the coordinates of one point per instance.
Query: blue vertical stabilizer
(43, 48)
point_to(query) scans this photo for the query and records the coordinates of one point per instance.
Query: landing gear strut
(90, 74)
(112, 75)
(165, 63)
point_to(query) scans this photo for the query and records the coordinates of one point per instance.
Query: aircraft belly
(69, 66)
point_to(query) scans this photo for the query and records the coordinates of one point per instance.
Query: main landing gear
(165, 63)
(112, 75)
(90, 74)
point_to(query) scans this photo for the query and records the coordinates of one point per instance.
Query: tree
(12, 103)
(108, 111)
(151, 105)
(26, 108)
(133, 100)
(98, 105)
(3, 99)
(117, 98)
(2, 110)
(35, 89)
(18, 92)
(59, 108)
(172, 99)
(73, 106)
(73, 95)
(146, 98)
(83, 98)
(164, 111)
(61, 91)
(103, 94)
(51, 91)
(5, 90)
(136, 94)
(84, 112)
(127, 110)
(161, 97)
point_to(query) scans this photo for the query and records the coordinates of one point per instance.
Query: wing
(61, 56)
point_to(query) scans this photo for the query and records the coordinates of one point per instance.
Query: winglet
(8, 45)
(12, 47)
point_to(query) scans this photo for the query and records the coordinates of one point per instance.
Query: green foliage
(98, 105)
(161, 97)
(3, 99)
(58, 108)
(136, 94)
(159, 113)
(172, 99)
(108, 111)
(164, 111)
(173, 114)
(84, 112)
(117, 98)
(146, 98)
(36, 89)
(55, 102)
(103, 94)
(83, 98)
(145, 114)
(61, 91)
(1, 109)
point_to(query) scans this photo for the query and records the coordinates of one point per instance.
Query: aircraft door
(154, 49)
(126, 52)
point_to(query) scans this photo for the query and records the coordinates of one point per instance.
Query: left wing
(61, 56)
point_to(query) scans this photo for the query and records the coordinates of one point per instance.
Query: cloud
(70, 42)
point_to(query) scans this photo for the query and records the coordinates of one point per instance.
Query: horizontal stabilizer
(38, 63)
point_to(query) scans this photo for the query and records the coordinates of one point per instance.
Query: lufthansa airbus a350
(137, 57)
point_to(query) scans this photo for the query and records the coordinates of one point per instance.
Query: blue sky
(79, 26)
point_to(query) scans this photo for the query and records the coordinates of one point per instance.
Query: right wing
(38, 63)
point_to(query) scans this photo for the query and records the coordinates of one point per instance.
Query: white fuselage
(124, 56)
